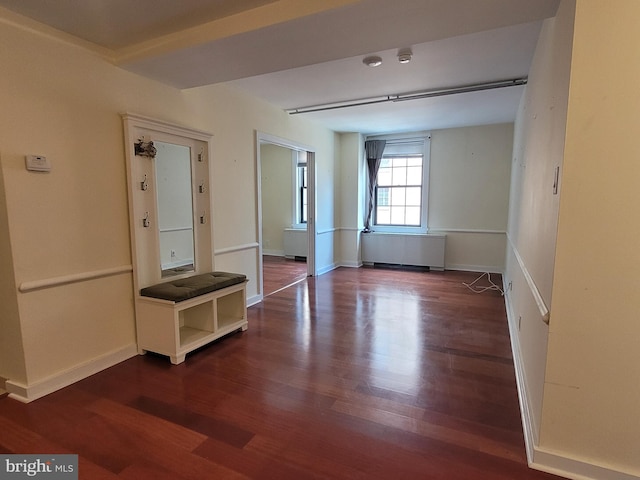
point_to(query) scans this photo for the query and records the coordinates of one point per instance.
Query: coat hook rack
(145, 221)
(145, 149)
(144, 185)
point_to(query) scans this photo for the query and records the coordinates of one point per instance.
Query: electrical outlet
(173, 253)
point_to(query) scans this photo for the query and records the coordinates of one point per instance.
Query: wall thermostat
(38, 163)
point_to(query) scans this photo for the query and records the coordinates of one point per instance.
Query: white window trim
(295, 186)
(425, 138)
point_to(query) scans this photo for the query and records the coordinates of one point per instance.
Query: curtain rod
(477, 87)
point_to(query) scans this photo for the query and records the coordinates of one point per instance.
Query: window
(300, 189)
(302, 193)
(401, 188)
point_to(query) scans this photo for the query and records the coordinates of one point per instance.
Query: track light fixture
(477, 87)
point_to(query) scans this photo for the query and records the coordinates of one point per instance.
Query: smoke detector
(404, 55)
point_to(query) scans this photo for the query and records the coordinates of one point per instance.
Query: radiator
(404, 249)
(295, 243)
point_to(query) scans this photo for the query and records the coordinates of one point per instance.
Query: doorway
(286, 212)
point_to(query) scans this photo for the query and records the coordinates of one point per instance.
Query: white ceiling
(299, 53)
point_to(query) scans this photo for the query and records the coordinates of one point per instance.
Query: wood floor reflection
(356, 374)
(281, 272)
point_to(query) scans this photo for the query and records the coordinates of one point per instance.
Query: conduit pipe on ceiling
(477, 87)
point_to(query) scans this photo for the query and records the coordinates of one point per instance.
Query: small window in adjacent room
(300, 189)
(400, 197)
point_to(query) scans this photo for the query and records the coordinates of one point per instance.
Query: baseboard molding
(31, 392)
(273, 253)
(564, 466)
(254, 300)
(474, 268)
(327, 268)
(538, 458)
(528, 424)
(350, 264)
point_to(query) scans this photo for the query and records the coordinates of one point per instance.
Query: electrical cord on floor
(483, 288)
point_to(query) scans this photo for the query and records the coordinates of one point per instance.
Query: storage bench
(179, 316)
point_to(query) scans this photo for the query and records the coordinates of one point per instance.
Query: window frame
(299, 208)
(422, 143)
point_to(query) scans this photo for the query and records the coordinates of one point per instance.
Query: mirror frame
(312, 229)
(143, 202)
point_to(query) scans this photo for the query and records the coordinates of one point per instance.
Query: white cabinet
(175, 329)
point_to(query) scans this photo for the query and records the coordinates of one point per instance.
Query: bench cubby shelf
(177, 328)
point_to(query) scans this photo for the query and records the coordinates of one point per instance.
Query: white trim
(401, 234)
(542, 307)
(423, 138)
(33, 391)
(74, 278)
(466, 230)
(328, 268)
(283, 142)
(350, 264)
(149, 123)
(528, 424)
(540, 458)
(174, 229)
(236, 248)
(262, 138)
(273, 253)
(558, 464)
(176, 264)
(295, 186)
(254, 300)
(473, 268)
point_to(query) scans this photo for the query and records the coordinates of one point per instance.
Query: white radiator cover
(425, 250)
(296, 243)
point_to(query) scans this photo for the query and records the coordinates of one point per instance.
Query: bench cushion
(185, 288)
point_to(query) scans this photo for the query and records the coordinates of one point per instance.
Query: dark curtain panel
(374, 150)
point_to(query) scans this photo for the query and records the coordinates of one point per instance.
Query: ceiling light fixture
(477, 87)
(373, 61)
(404, 55)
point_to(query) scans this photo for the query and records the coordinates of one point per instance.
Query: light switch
(38, 163)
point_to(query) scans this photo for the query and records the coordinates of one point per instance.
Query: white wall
(533, 213)
(351, 201)
(469, 194)
(74, 220)
(592, 389)
(277, 196)
(579, 375)
(12, 364)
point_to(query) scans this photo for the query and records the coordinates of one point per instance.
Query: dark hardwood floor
(356, 374)
(281, 272)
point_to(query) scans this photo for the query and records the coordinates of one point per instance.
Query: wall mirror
(264, 144)
(173, 182)
(168, 175)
